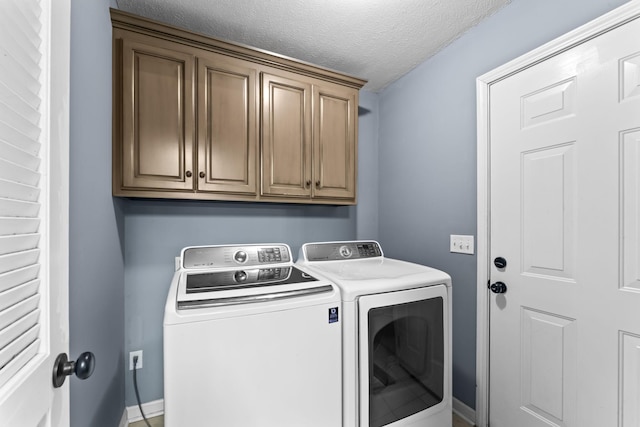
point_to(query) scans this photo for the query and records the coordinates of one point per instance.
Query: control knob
(240, 257)
(240, 276)
(345, 251)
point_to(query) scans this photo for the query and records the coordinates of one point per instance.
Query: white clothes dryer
(251, 340)
(396, 335)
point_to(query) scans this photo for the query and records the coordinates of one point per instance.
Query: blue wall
(96, 261)
(368, 188)
(427, 140)
(417, 185)
(156, 231)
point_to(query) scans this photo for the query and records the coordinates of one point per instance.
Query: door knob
(500, 262)
(498, 288)
(82, 368)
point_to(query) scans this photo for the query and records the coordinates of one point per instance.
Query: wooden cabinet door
(334, 142)
(286, 137)
(157, 115)
(227, 125)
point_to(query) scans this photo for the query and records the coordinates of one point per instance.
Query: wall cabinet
(227, 126)
(158, 116)
(308, 138)
(198, 118)
(335, 143)
(188, 121)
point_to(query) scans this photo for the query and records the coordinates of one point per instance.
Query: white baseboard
(156, 408)
(464, 412)
(124, 422)
(132, 413)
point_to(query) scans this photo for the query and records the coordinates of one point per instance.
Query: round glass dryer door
(403, 348)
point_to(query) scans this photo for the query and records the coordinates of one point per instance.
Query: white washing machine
(250, 340)
(396, 335)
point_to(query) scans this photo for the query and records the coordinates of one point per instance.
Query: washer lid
(207, 288)
(240, 279)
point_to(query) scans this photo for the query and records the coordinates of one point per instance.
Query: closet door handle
(82, 368)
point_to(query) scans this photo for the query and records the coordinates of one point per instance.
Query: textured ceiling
(378, 40)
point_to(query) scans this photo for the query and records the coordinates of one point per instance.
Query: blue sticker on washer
(333, 314)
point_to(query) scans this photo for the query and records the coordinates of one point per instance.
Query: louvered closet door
(33, 250)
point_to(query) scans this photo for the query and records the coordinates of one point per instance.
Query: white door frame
(605, 23)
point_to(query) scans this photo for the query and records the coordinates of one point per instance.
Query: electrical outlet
(461, 244)
(131, 355)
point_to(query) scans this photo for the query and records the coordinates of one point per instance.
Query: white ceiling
(378, 40)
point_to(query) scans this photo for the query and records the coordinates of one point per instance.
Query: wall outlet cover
(131, 355)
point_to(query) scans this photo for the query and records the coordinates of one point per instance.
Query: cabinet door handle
(188, 174)
(202, 175)
(318, 184)
(308, 183)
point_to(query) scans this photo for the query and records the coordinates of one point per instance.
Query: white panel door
(565, 214)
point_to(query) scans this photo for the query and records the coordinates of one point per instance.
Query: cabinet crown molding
(131, 22)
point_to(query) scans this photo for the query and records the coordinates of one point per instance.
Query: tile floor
(159, 422)
(459, 422)
(155, 422)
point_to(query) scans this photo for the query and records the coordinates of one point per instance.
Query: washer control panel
(336, 251)
(229, 256)
(270, 255)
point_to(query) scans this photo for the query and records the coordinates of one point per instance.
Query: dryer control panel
(336, 251)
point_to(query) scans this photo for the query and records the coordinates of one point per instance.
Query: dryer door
(404, 355)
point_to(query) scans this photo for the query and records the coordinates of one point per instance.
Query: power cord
(135, 386)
